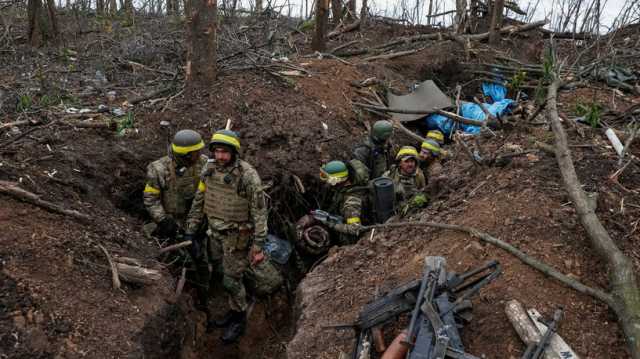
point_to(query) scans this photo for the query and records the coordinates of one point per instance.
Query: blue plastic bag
(277, 249)
(497, 92)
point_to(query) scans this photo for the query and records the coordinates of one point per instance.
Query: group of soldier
(219, 205)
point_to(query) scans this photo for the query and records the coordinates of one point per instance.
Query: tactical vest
(378, 160)
(177, 197)
(406, 185)
(223, 199)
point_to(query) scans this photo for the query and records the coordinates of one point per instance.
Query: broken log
(348, 28)
(527, 331)
(11, 189)
(511, 29)
(625, 295)
(15, 123)
(137, 274)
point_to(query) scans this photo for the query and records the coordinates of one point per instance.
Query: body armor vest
(223, 198)
(177, 198)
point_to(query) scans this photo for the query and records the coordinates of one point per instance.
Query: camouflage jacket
(431, 168)
(377, 158)
(406, 186)
(169, 190)
(248, 187)
(347, 202)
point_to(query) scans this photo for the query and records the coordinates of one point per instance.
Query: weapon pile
(440, 306)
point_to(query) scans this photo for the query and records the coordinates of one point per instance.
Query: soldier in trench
(376, 150)
(343, 218)
(408, 181)
(231, 197)
(170, 187)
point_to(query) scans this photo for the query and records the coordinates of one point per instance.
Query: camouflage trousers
(233, 249)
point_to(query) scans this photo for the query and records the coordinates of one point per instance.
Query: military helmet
(407, 152)
(227, 138)
(186, 141)
(431, 145)
(436, 135)
(381, 130)
(334, 172)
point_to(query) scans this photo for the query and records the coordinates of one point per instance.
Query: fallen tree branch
(12, 189)
(624, 290)
(351, 27)
(542, 267)
(114, 269)
(392, 55)
(450, 115)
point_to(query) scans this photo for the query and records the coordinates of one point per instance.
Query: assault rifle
(326, 217)
(536, 350)
(440, 305)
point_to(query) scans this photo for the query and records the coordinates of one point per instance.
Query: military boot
(235, 329)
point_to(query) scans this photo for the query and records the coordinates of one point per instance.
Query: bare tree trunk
(496, 21)
(461, 16)
(100, 7)
(258, 6)
(336, 11)
(42, 22)
(364, 11)
(319, 42)
(429, 18)
(624, 288)
(128, 11)
(201, 44)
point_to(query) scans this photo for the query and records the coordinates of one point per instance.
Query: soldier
(171, 183)
(430, 158)
(437, 136)
(408, 180)
(375, 151)
(346, 201)
(231, 197)
(170, 188)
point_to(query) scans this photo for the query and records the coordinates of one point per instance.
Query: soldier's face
(222, 155)
(424, 154)
(408, 166)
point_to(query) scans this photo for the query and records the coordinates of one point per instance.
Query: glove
(167, 228)
(256, 254)
(196, 246)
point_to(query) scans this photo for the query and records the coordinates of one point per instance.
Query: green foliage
(516, 82)
(591, 113)
(125, 123)
(25, 102)
(307, 25)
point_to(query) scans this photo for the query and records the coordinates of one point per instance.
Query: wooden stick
(174, 247)
(344, 46)
(181, 282)
(15, 123)
(12, 189)
(115, 279)
(392, 55)
(450, 115)
(534, 263)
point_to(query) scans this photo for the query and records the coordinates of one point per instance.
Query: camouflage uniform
(233, 201)
(377, 158)
(347, 202)
(169, 193)
(406, 186)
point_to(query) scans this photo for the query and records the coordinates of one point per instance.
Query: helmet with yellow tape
(407, 152)
(226, 138)
(334, 172)
(185, 142)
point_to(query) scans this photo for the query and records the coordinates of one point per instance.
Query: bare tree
(201, 43)
(42, 22)
(319, 42)
(496, 21)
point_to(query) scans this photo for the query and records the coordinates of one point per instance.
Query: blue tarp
(499, 107)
